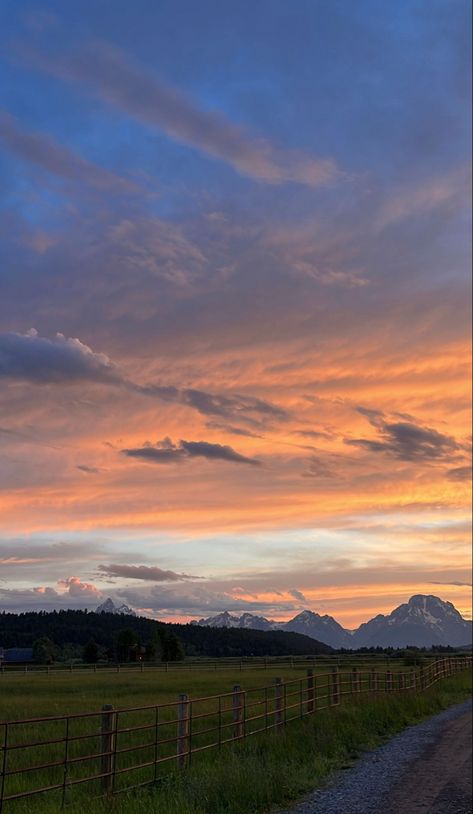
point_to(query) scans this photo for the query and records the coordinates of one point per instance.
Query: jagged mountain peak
(422, 621)
(109, 607)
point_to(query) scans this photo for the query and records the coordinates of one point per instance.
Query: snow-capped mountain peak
(423, 621)
(109, 607)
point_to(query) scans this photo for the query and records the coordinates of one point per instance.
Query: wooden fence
(77, 756)
(213, 664)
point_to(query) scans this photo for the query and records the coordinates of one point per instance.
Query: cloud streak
(45, 152)
(31, 357)
(111, 75)
(142, 572)
(166, 452)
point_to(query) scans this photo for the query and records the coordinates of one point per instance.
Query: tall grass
(253, 776)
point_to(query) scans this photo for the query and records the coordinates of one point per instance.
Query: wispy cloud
(109, 73)
(143, 572)
(62, 360)
(45, 152)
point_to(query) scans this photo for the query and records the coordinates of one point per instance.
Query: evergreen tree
(90, 653)
(44, 650)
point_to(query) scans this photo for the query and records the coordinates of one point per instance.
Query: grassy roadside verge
(264, 772)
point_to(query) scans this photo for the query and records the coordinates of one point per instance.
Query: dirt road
(439, 782)
(424, 770)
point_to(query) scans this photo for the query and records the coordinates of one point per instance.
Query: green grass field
(247, 777)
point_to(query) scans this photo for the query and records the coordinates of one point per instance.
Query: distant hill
(424, 621)
(74, 627)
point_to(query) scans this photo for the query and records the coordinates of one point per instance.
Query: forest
(68, 635)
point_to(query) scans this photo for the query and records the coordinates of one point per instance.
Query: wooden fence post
(237, 705)
(108, 743)
(311, 692)
(355, 686)
(389, 681)
(182, 730)
(278, 702)
(335, 686)
(374, 680)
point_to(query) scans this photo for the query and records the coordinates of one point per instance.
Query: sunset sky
(235, 305)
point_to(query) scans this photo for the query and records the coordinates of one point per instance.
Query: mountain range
(423, 621)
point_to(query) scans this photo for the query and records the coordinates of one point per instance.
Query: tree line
(68, 635)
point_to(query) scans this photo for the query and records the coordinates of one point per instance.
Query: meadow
(243, 777)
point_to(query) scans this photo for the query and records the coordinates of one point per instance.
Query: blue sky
(235, 323)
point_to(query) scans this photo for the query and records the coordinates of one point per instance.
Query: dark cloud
(90, 470)
(327, 434)
(41, 360)
(143, 572)
(214, 425)
(297, 595)
(163, 452)
(216, 451)
(235, 407)
(160, 391)
(229, 406)
(375, 417)
(405, 440)
(456, 582)
(459, 473)
(166, 451)
(318, 468)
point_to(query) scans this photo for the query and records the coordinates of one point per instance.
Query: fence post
(237, 712)
(278, 702)
(182, 730)
(335, 686)
(311, 694)
(421, 678)
(354, 680)
(374, 680)
(108, 739)
(389, 680)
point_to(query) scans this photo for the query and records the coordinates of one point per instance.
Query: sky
(235, 305)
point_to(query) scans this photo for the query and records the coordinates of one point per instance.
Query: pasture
(60, 692)
(143, 736)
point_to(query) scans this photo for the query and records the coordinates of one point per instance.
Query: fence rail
(113, 750)
(214, 664)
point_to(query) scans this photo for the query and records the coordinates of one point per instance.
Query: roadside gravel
(415, 771)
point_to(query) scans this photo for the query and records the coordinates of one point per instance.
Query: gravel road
(424, 770)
